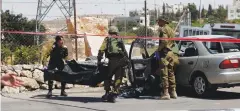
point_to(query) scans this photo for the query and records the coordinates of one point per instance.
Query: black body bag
(75, 73)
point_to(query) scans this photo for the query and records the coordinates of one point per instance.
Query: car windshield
(222, 47)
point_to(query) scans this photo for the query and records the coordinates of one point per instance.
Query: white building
(172, 8)
(234, 10)
(138, 19)
(177, 7)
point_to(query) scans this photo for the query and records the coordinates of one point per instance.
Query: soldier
(168, 60)
(114, 50)
(57, 54)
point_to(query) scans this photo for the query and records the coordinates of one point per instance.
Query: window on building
(238, 10)
(232, 15)
(137, 21)
(232, 11)
(141, 21)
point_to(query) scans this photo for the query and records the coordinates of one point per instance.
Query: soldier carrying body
(57, 54)
(114, 50)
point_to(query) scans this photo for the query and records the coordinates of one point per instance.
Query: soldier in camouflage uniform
(57, 54)
(114, 50)
(168, 60)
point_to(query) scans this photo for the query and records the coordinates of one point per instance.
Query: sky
(29, 9)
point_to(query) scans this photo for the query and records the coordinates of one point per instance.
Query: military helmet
(163, 20)
(113, 29)
(58, 38)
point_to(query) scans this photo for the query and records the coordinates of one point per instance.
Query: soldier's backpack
(114, 45)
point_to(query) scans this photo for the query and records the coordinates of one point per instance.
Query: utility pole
(75, 28)
(125, 21)
(200, 11)
(155, 10)
(145, 11)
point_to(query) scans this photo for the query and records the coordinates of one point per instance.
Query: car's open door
(140, 61)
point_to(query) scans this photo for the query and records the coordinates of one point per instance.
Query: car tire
(200, 86)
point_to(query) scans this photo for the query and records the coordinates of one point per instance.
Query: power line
(84, 2)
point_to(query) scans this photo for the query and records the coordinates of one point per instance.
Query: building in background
(172, 8)
(234, 10)
(140, 20)
(177, 7)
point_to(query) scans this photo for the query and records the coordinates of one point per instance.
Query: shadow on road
(54, 103)
(189, 93)
(74, 99)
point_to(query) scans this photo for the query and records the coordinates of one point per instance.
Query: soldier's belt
(115, 55)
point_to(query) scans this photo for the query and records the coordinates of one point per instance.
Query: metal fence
(23, 48)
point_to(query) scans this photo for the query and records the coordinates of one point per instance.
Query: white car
(207, 66)
(204, 66)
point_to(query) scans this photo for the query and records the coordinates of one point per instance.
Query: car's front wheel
(200, 86)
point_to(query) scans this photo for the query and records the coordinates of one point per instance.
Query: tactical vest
(175, 49)
(113, 46)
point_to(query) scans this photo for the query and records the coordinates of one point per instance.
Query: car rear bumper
(230, 78)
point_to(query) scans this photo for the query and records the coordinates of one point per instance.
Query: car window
(187, 49)
(138, 51)
(221, 47)
(152, 49)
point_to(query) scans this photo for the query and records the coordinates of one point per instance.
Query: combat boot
(63, 87)
(105, 96)
(173, 93)
(63, 93)
(50, 88)
(165, 95)
(49, 94)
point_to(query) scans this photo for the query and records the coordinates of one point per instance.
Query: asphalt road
(90, 100)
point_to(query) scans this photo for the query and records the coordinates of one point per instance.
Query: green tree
(163, 9)
(178, 14)
(153, 17)
(203, 13)
(221, 13)
(120, 26)
(129, 25)
(210, 11)
(141, 32)
(193, 10)
(11, 22)
(20, 45)
(172, 16)
(133, 13)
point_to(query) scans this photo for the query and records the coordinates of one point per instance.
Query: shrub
(26, 55)
(46, 48)
(5, 53)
